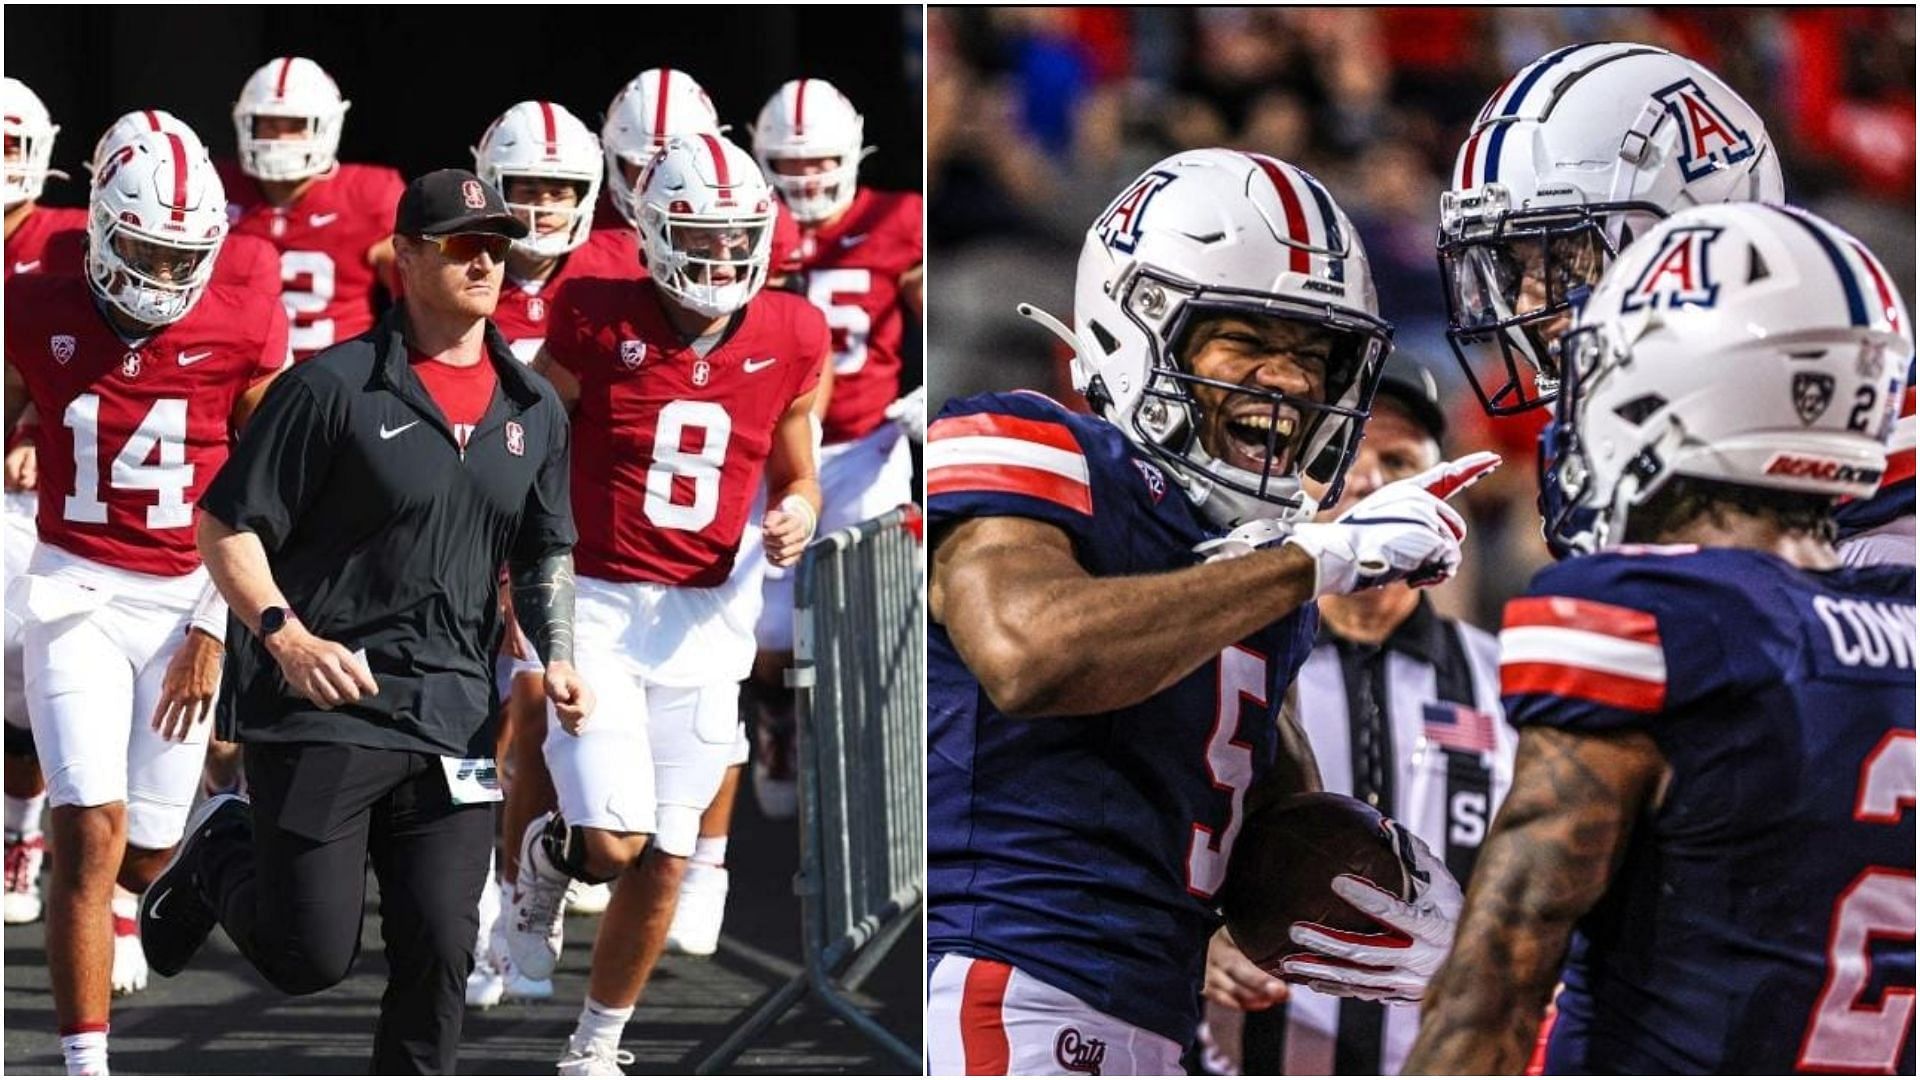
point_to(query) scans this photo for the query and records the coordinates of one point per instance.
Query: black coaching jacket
(386, 536)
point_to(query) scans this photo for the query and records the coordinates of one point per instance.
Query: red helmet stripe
(153, 120)
(721, 178)
(1466, 166)
(553, 138)
(660, 104)
(800, 109)
(1296, 214)
(1887, 303)
(280, 87)
(179, 204)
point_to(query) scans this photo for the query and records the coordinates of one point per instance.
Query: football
(1283, 867)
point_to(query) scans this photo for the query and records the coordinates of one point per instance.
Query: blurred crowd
(1036, 117)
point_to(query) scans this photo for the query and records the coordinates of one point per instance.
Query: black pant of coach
(292, 900)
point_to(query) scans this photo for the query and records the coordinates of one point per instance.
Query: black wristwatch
(273, 620)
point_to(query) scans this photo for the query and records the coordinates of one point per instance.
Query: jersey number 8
(700, 466)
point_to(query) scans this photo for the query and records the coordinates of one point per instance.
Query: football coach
(357, 534)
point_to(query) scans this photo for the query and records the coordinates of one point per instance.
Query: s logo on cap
(471, 191)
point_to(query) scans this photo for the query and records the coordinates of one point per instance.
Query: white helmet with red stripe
(29, 143)
(706, 223)
(1569, 160)
(809, 120)
(296, 88)
(655, 106)
(1222, 232)
(155, 222)
(134, 124)
(542, 140)
(1750, 344)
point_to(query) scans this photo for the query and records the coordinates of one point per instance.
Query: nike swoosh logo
(852, 241)
(321, 221)
(386, 434)
(154, 911)
(758, 365)
(189, 359)
(26, 267)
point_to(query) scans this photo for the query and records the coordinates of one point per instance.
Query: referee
(1402, 707)
(357, 534)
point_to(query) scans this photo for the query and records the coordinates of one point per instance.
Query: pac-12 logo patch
(632, 353)
(62, 346)
(1119, 227)
(1680, 273)
(1709, 139)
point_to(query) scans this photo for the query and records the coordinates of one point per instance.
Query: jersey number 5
(849, 322)
(1243, 681)
(164, 427)
(1845, 1034)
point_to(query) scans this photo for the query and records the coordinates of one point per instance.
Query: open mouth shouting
(1249, 436)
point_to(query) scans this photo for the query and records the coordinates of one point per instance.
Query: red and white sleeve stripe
(1570, 648)
(988, 452)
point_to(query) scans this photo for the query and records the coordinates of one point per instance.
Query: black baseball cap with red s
(455, 201)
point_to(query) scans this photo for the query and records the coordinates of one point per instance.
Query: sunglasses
(466, 247)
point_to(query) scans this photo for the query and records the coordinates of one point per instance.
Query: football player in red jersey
(685, 387)
(147, 369)
(332, 223)
(546, 164)
(29, 132)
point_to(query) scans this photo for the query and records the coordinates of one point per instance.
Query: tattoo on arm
(543, 593)
(1557, 840)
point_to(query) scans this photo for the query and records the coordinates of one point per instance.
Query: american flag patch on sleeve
(1010, 455)
(1572, 648)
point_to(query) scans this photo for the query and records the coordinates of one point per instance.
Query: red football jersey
(326, 279)
(27, 248)
(130, 435)
(669, 447)
(851, 272)
(524, 308)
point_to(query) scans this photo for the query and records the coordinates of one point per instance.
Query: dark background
(425, 82)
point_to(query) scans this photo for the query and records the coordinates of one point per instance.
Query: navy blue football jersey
(1085, 850)
(1763, 918)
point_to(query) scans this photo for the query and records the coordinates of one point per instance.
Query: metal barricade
(860, 668)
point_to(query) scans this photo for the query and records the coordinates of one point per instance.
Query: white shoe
(585, 1058)
(23, 861)
(776, 755)
(129, 960)
(702, 907)
(585, 899)
(486, 987)
(536, 929)
(518, 987)
(489, 911)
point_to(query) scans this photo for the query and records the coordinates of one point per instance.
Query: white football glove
(910, 413)
(1397, 963)
(1403, 532)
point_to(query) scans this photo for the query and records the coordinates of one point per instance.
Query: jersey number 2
(312, 300)
(164, 427)
(1844, 1034)
(1243, 681)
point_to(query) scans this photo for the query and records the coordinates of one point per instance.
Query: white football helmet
(136, 123)
(1210, 231)
(541, 139)
(657, 105)
(1750, 344)
(1574, 156)
(809, 118)
(290, 86)
(29, 143)
(155, 222)
(706, 223)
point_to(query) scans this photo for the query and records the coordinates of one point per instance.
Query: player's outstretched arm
(1046, 638)
(1558, 839)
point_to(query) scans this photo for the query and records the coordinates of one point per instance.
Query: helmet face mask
(29, 133)
(155, 223)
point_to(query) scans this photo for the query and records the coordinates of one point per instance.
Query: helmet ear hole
(1108, 343)
(1757, 269)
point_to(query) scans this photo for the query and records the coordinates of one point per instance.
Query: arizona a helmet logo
(1709, 140)
(1119, 227)
(1679, 275)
